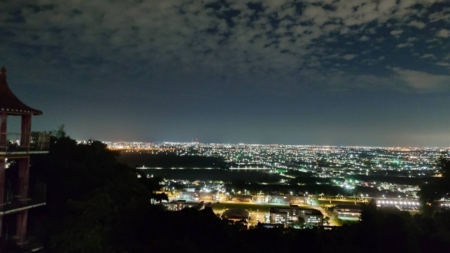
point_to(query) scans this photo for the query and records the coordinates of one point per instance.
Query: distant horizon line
(259, 144)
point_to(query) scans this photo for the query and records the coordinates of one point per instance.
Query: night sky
(348, 72)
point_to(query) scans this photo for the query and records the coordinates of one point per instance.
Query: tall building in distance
(17, 195)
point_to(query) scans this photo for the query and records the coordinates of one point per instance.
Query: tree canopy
(436, 189)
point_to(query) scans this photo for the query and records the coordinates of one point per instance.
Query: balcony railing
(37, 196)
(16, 142)
(32, 243)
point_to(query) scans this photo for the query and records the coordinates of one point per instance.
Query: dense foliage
(436, 189)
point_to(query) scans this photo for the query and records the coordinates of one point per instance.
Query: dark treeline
(255, 187)
(214, 175)
(95, 204)
(393, 179)
(377, 176)
(311, 188)
(167, 160)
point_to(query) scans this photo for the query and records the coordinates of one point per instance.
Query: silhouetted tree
(160, 197)
(435, 189)
(93, 202)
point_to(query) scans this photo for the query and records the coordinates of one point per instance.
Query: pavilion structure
(16, 195)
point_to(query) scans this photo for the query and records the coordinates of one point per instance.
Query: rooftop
(9, 102)
(236, 213)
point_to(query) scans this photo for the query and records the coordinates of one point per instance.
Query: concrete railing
(16, 142)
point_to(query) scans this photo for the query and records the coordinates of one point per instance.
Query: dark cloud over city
(353, 72)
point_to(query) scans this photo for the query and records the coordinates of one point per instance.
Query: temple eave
(20, 111)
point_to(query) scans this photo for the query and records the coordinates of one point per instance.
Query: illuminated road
(252, 168)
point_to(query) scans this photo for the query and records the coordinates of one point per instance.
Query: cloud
(443, 15)
(427, 56)
(396, 32)
(421, 81)
(349, 56)
(364, 38)
(417, 24)
(214, 38)
(386, 6)
(404, 45)
(443, 33)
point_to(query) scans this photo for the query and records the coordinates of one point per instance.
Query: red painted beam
(25, 132)
(21, 227)
(3, 129)
(23, 177)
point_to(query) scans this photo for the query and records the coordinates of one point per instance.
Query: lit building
(178, 205)
(278, 216)
(242, 198)
(189, 196)
(401, 204)
(278, 199)
(283, 215)
(17, 195)
(349, 212)
(297, 199)
(311, 216)
(291, 214)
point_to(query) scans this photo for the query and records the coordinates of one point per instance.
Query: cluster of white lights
(445, 204)
(390, 202)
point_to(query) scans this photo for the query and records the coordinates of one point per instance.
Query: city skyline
(136, 145)
(316, 72)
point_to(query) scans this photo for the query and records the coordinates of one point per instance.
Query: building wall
(189, 196)
(313, 219)
(278, 218)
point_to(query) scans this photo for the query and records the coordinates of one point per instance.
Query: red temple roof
(9, 103)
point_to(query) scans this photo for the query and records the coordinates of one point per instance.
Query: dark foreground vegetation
(95, 204)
